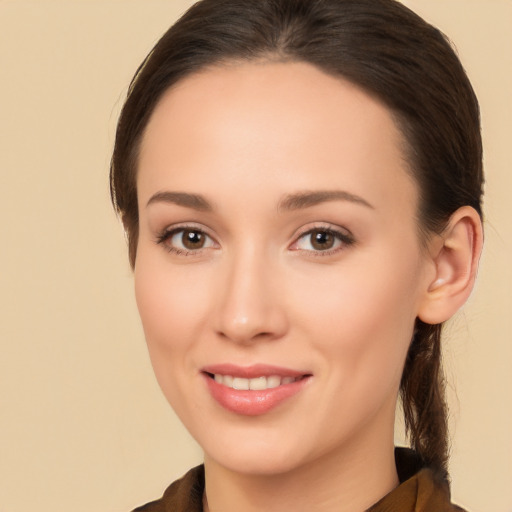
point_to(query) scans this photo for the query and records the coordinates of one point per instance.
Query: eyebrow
(307, 199)
(290, 202)
(194, 201)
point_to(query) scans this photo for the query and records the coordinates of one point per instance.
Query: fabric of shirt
(420, 490)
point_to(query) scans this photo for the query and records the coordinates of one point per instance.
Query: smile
(254, 384)
(254, 390)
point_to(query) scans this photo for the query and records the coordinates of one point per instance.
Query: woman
(300, 182)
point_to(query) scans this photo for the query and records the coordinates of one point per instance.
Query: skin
(245, 137)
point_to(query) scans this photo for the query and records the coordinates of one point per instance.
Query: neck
(350, 481)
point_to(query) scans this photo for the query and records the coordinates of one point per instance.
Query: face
(279, 270)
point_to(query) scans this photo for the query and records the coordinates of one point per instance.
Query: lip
(253, 371)
(249, 402)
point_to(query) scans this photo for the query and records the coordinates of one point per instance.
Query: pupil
(193, 239)
(322, 240)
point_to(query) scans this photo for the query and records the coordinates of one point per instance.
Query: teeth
(256, 384)
(242, 384)
(273, 382)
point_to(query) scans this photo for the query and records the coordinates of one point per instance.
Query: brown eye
(192, 239)
(322, 240)
(185, 241)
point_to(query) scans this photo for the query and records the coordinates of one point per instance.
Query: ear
(455, 255)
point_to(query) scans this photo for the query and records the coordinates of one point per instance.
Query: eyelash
(168, 234)
(345, 239)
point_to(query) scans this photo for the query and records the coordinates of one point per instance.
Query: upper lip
(252, 371)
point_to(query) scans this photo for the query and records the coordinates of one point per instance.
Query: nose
(251, 301)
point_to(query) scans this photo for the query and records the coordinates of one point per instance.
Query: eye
(185, 240)
(322, 240)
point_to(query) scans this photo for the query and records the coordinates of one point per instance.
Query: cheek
(362, 316)
(172, 305)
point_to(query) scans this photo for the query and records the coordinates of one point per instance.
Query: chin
(248, 462)
(261, 453)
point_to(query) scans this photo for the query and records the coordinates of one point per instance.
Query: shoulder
(420, 489)
(183, 495)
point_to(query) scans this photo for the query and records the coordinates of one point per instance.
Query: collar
(420, 490)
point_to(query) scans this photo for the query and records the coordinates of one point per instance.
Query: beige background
(83, 426)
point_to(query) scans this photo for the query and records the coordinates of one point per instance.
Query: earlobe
(456, 263)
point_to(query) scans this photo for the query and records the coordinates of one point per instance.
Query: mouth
(255, 384)
(254, 390)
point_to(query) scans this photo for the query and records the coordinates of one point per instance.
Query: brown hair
(387, 50)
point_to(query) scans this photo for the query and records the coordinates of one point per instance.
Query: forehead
(261, 122)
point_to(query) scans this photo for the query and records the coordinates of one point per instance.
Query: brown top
(420, 490)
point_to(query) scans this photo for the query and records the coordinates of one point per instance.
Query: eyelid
(163, 236)
(342, 234)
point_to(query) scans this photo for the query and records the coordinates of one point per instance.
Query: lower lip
(253, 403)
